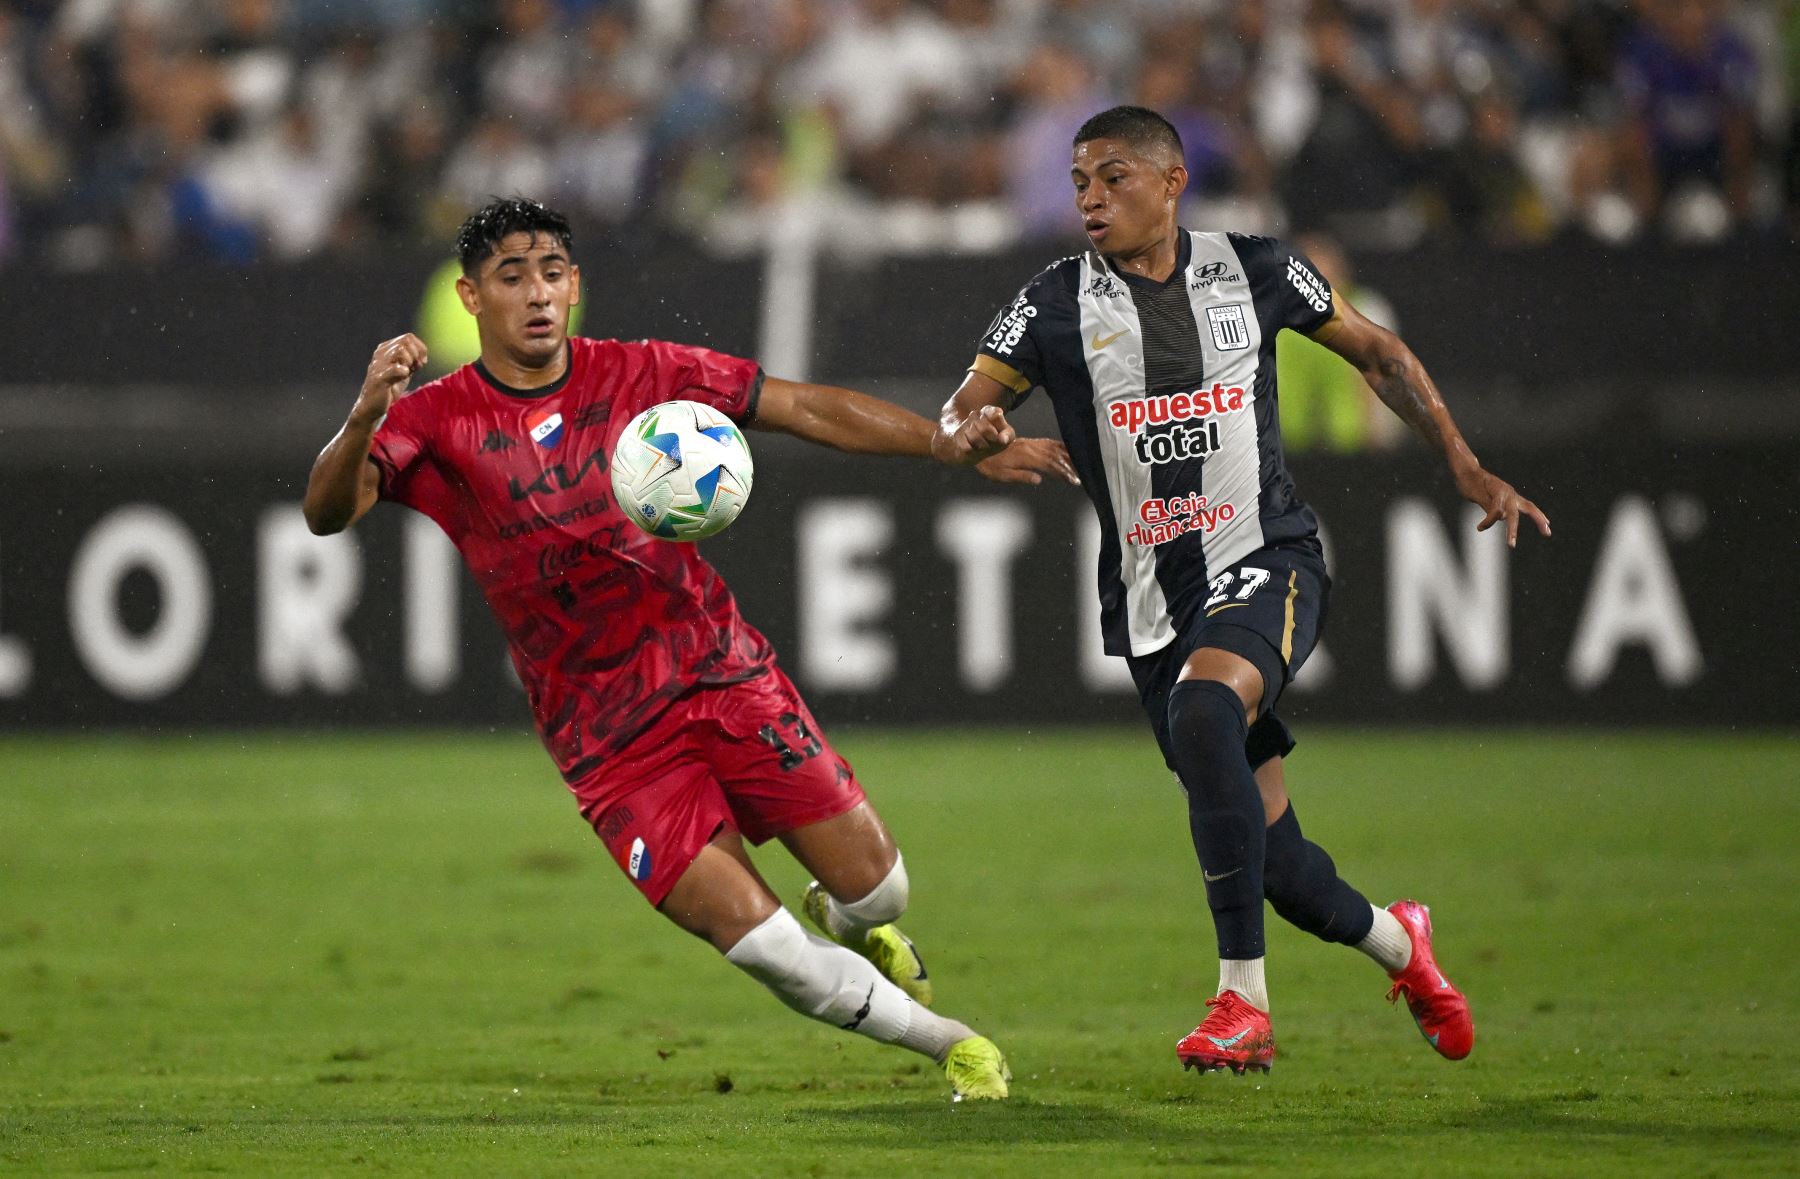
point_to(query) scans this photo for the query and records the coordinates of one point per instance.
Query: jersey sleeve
(1010, 351)
(729, 384)
(400, 449)
(1304, 300)
(403, 452)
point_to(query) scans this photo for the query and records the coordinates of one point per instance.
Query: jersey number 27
(1249, 579)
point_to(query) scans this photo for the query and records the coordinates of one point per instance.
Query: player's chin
(540, 343)
(1112, 247)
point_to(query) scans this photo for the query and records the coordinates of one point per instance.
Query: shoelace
(1227, 1000)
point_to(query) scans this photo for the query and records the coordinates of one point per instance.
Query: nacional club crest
(546, 428)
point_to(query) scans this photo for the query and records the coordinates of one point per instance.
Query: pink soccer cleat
(1440, 1010)
(1234, 1035)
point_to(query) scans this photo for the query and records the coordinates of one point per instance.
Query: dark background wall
(156, 428)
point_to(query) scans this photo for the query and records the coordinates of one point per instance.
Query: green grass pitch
(404, 953)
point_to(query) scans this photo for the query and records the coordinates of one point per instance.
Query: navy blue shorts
(1268, 608)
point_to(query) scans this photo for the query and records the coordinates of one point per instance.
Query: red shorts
(746, 756)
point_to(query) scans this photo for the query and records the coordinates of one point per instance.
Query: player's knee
(1207, 715)
(886, 903)
(1284, 849)
(772, 952)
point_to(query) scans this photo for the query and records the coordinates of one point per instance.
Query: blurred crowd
(245, 129)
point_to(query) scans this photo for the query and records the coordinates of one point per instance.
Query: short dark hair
(491, 224)
(1139, 126)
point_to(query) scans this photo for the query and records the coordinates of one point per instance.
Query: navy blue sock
(1303, 885)
(1206, 737)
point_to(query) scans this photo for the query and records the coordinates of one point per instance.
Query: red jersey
(607, 625)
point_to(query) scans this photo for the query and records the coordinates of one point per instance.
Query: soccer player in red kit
(665, 711)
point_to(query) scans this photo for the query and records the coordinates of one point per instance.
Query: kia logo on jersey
(546, 428)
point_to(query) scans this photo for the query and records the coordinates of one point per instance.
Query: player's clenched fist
(981, 435)
(392, 366)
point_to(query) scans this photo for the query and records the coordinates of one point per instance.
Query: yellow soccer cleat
(891, 951)
(976, 1070)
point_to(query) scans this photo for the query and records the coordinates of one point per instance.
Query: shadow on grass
(1579, 1114)
(917, 1124)
(1570, 1119)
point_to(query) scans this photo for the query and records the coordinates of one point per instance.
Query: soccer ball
(682, 470)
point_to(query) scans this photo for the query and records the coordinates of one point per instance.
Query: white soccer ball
(682, 470)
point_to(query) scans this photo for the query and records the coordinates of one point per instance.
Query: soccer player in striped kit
(1157, 351)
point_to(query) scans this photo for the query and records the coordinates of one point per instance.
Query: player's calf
(867, 926)
(831, 984)
(1207, 727)
(1305, 890)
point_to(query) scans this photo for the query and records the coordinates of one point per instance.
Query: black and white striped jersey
(1165, 394)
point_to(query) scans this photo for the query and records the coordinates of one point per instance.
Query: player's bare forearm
(972, 430)
(1401, 382)
(1403, 385)
(860, 424)
(842, 419)
(1399, 379)
(972, 425)
(344, 483)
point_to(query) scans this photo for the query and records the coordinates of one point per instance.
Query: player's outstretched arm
(973, 431)
(344, 483)
(857, 423)
(1400, 380)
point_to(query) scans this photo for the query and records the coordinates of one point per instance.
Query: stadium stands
(249, 129)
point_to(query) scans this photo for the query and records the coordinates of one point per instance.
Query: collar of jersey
(1184, 253)
(481, 370)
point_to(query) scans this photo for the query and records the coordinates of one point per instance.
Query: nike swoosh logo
(1100, 341)
(1211, 879)
(1226, 606)
(1230, 1042)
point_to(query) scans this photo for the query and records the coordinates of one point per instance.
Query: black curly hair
(489, 225)
(1139, 126)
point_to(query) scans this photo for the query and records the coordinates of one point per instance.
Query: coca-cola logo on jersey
(554, 560)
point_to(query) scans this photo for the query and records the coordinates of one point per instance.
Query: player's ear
(465, 290)
(1176, 178)
(574, 284)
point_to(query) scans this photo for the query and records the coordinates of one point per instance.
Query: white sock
(883, 906)
(1245, 976)
(1387, 942)
(840, 987)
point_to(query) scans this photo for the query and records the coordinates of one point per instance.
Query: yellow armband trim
(1000, 371)
(1330, 327)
